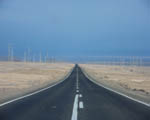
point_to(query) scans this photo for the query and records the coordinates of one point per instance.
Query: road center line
(81, 106)
(75, 108)
(80, 95)
(77, 80)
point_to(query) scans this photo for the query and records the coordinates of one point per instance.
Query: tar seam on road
(36, 92)
(141, 102)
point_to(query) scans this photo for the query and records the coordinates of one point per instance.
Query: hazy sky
(75, 27)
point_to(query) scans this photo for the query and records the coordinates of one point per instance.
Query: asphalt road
(76, 98)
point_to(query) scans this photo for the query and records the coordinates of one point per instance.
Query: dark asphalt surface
(56, 103)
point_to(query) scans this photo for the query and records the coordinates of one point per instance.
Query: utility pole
(9, 54)
(25, 57)
(33, 60)
(40, 57)
(28, 55)
(46, 58)
(141, 61)
(12, 54)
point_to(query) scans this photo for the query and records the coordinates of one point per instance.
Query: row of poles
(120, 60)
(28, 57)
(10, 53)
(105, 60)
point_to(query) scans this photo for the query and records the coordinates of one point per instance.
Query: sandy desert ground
(131, 80)
(18, 78)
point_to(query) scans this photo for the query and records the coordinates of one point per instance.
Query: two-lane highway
(76, 98)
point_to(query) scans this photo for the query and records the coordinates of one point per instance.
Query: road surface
(76, 98)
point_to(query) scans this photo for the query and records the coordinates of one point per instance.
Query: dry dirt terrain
(18, 78)
(131, 80)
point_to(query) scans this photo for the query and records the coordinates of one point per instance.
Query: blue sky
(75, 27)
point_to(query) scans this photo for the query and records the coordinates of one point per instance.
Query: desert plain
(133, 81)
(20, 78)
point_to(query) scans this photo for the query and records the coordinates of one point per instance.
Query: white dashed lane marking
(81, 106)
(80, 95)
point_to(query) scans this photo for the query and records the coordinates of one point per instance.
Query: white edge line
(144, 103)
(30, 94)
